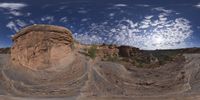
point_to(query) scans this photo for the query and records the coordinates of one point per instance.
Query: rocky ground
(99, 78)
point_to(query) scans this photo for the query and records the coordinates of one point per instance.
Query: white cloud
(112, 14)
(31, 21)
(28, 14)
(63, 19)
(16, 25)
(12, 26)
(48, 19)
(144, 26)
(198, 5)
(163, 18)
(161, 9)
(120, 5)
(20, 23)
(149, 17)
(162, 15)
(12, 6)
(15, 13)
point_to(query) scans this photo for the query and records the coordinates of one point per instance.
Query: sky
(146, 24)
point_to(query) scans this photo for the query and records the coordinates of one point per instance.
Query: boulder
(41, 46)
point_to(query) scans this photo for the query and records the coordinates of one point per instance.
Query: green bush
(92, 51)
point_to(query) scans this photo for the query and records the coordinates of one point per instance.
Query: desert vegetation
(92, 51)
(131, 56)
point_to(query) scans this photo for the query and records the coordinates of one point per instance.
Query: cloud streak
(161, 9)
(16, 25)
(198, 5)
(120, 5)
(13, 8)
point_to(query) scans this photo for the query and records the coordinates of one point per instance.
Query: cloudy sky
(147, 24)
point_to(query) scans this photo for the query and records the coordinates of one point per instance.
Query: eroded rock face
(41, 46)
(105, 51)
(126, 51)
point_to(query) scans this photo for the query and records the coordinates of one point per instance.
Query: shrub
(92, 51)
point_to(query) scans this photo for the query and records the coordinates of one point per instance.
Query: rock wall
(105, 51)
(41, 46)
(127, 51)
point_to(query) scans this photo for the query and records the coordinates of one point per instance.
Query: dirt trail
(87, 79)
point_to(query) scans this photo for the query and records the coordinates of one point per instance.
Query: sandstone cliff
(41, 46)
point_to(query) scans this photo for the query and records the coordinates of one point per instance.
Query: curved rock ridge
(41, 46)
(42, 27)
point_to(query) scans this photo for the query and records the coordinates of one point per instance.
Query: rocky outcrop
(41, 46)
(105, 51)
(127, 51)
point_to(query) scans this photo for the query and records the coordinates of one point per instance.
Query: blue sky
(147, 24)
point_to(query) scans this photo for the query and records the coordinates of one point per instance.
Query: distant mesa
(41, 46)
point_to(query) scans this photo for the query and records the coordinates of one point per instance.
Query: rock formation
(41, 46)
(4, 50)
(105, 51)
(127, 51)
